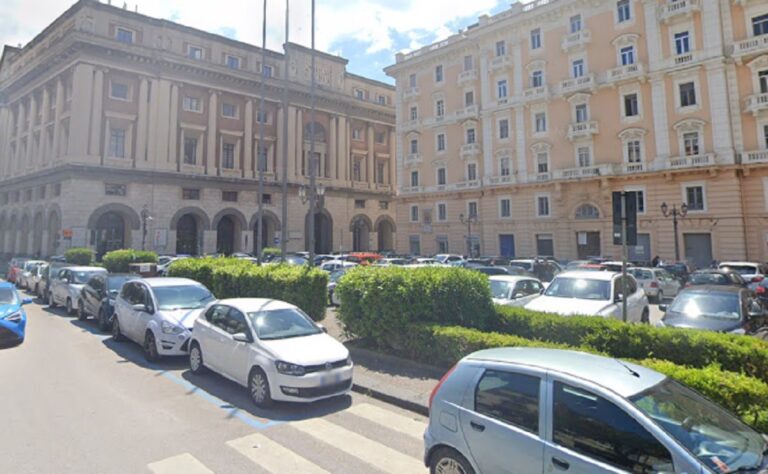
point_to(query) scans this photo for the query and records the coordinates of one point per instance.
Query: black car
(715, 308)
(489, 270)
(679, 270)
(716, 277)
(97, 297)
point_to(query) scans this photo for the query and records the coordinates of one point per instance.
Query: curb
(391, 399)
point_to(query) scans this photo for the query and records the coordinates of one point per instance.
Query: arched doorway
(37, 234)
(110, 233)
(323, 232)
(54, 236)
(187, 235)
(361, 232)
(225, 236)
(385, 231)
(24, 236)
(268, 234)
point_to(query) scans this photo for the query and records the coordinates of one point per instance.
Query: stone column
(370, 159)
(279, 143)
(291, 143)
(209, 241)
(17, 159)
(5, 139)
(722, 137)
(212, 140)
(42, 155)
(521, 152)
(57, 119)
(343, 148)
(173, 129)
(141, 124)
(660, 119)
(248, 167)
(79, 122)
(96, 113)
(29, 159)
(392, 157)
(299, 137)
(152, 118)
(332, 151)
(161, 99)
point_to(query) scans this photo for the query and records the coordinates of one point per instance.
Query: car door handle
(477, 426)
(560, 464)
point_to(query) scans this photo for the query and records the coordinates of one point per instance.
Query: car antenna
(628, 368)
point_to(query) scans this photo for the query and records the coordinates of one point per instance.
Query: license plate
(330, 379)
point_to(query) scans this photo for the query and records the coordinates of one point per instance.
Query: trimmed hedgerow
(79, 256)
(118, 261)
(201, 269)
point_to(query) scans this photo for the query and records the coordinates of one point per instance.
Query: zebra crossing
(362, 438)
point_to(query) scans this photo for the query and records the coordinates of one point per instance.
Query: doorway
(587, 244)
(698, 249)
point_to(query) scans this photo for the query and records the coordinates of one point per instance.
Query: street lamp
(310, 194)
(675, 213)
(145, 216)
(468, 221)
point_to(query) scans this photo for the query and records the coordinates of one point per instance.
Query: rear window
(709, 279)
(741, 269)
(524, 265)
(640, 274)
(8, 296)
(509, 397)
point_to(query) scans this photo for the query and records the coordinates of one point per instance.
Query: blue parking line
(231, 412)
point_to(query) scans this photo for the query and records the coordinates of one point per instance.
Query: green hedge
(79, 256)
(637, 341)
(201, 269)
(271, 252)
(379, 302)
(118, 261)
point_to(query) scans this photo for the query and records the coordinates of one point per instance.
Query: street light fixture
(145, 216)
(468, 221)
(675, 212)
(311, 194)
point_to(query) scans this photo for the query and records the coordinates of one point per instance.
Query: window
(687, 94)
(357, 169)
(381, 99)
(124, 35)
(357, 134)
(587, 211)
(631, 107)
(414, 146)
(442, 244)
(470, 136)
(414, 178)
(118, 91)
(584, 154)
(229, 110)
(414, 244)
(233, 62)
(414, 213)
(633, 151)
(57, 190)
(536, 38)
(504, 168)
(263, 158)
(469, 63)
(268, 70)
(229, 196)
(115, 189)
(381, 167)
(640, 200)
(575, 22)
(359, 203)
(577, 68)
(383, 205)
(381, 137)
(469, 98)
(762, 78)
(623, 11)
(627, 55)
(262, 116)
(691, 143)
(190, 150)
(190, 194)
(266, 199)
(590, 425)
(359, 94)
(471, 172)
(582, 114)
(414, 113)
(440, 142)
(542, 206)
(542, 162)
(195, 52)
(501, 88)
(228, 156)
(694, 198)
(682, 43)
(765, 136)
(440, 108)
(441, 176)
(541, 122)
(412, 80)
(439, 73)
(537, 79)
(760, 25)
(472, 209)
(509, 397)
(501, 48)
(505, 207)
(117, 142)
(442, 212)
(191, 104)
(503, 129)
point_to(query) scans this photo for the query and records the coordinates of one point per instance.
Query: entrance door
(110, 233)
(225, 236)
(507, 245)
(545, 247)
(698, 249)
(588, 244)
(186, 235)
(641, 253)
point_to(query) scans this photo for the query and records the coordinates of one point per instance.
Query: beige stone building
(531, 118)
(108, 112)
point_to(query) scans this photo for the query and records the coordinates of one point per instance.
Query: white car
(25, 278)
(272, 348)
(66, 287)
(592, 294)
(514, 290)
(656, 282)
(159, 314)
(750, 271)
(449, 259)
(333, 265)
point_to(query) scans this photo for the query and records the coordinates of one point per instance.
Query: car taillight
(654, 284)
(760, 290)
(439, 384)
(687, 284)
(757, 279)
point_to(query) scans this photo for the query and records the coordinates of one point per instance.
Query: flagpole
(285, 138)
(312, 158)
(261, 116)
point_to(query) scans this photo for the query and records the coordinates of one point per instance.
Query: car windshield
(525, 265)
(716, 437)
(83, 277)
(640, 274)
(116, 282)
(282, 324)
(182, 297)
(500, 289)
(716, 305)
(709, 279)
(581, 288)
(8, 296)
(334, 276)
(741, 269)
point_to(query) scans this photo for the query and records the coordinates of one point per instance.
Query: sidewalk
(394, 380)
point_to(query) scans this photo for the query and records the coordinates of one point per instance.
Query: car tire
(70, 308)
(196, 362)
(117, 334)
(101, 321)
(446, 460)
(660, 297)
(258, 388)
(646, 316)
(150, 347)
(81, 314)
(51, 301)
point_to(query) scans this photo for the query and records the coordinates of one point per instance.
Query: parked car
(614, 266)
(290, 260)
(509, 290)
(656, 282)
(333, 279)
(272, 348)
(14, 268)
(97, 298)
(13, 318)
(593, 294)
(750, 271)
(545, 270)
(543, 410)
(488, 270)
(49, 274)
(25, 274)
(387, 262)
(165, 261)
(449, 259)
(159, 314)
(761, 291)
(681, 270)
(332, 265)
(65, 289)
(37, 278)
(716, 308)
(716, 277)
(576, 264)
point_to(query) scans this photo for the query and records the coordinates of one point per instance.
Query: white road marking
(272, 456)
(181, 464)
(389, 419)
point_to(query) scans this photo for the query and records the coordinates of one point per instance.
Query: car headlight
(169, 328)
(287, 368)
(14, 317)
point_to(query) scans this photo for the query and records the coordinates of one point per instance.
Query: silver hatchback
(524, 410)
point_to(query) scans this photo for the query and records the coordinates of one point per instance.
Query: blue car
(13, 318)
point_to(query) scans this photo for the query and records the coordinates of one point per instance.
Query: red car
(14, 269)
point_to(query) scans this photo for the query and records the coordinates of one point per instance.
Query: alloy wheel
(449, 466)
(195, 359)
(150, 347)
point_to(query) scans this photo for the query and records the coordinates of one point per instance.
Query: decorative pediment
(536, 65)
(760, 62)
(469, 123)
(504, 153)
(579, 98)
(541, 147)
(633, 133)
(628, 39)
(689, 125)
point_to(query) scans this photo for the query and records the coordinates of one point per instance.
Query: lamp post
(311, 194)
(675, 212)
(468, 221)
(145, 216)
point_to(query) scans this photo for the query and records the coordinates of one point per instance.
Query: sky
(367, 32)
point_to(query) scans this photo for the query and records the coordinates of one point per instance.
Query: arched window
(587, 211)
(319, 132)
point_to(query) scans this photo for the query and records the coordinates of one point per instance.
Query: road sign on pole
(624, 234)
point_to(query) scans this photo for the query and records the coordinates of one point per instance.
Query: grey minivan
(526, 410)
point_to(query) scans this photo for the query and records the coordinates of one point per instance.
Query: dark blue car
(13, 318)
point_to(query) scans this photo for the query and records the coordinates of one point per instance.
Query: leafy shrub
(118, 261)
(79, 256)
(268, 253)
(380, 302)
(201, 269)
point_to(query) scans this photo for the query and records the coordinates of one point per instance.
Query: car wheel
(37, 290)
(51, 301)
(117, 334)
(258, 388)
(150, 347)
(196, 364)
(448, 461)
(660, 297)
(70, 308)
(81, 314)
(102, 321)
(645, 318)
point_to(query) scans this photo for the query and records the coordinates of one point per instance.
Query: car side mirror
(65, 280)
(517, 295)
(140, 308)
(663, 308)
(241, 337)
(322, 328)
(26, 301)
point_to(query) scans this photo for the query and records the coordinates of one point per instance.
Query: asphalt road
(74, 401)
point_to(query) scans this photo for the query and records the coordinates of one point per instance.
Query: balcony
(410, 189)
(573, 41)
(583, 129)
(624, 73)
(578, 83)
(540, 177)
(682, 59)
(753, 45)
(677, 8)
(467, 76)
(630, 168)
(584, 172)
(756, 103)
(410, 93)
(469, 150)
(755, 157)
(502, 102)
(469, 184)
(501, 180)
(466, 112)
(413, 158)
(500, 62)
(536, 93)
(692, 161)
